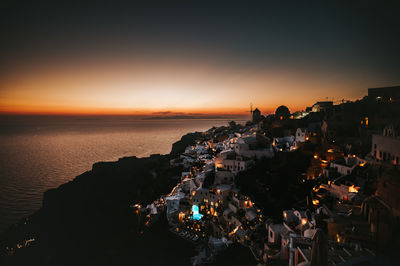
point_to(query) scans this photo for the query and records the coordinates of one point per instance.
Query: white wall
(300, 135)
(386, 149)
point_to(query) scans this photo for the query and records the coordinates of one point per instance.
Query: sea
(42, 152)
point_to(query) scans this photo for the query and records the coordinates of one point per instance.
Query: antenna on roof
(251, 110)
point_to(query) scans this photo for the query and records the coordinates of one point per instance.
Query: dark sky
(361, 38)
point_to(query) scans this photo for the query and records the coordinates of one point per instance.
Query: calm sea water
(42, 152)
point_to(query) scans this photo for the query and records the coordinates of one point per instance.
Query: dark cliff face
(188, 139)
(129, 179)
(88, 221)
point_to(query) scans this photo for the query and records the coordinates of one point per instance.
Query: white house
(386, 147)
(274, 233)
(236, 164)
(206, 196)
(343, 166)
(254, 146)
(289, 216)
(285, 143)
(188, 185)
(301, 135)
(341, 191)
(221, 156)
(173, 203)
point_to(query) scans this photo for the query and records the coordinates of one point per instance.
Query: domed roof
(282, 111)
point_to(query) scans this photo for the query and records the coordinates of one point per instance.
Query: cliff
(188, 139)
(88, 221)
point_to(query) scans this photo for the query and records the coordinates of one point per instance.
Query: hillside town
(347, 208)
(314, 187)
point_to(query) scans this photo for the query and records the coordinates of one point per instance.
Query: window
(270, 234)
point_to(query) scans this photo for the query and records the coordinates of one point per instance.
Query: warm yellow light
(181, 216)
(234, 231)
(352, 188)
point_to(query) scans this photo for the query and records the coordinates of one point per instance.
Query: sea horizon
(66, 146)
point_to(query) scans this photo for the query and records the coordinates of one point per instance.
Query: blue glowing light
(196, 214)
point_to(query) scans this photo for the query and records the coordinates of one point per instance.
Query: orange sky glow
(146, 87)
(193, 58)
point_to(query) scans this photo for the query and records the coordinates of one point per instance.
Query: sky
(65, 57)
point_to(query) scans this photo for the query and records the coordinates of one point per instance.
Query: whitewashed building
(250, 146)
(237, 164)
(301, 135)
(386, 147)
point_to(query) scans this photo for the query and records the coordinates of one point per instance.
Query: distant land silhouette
(188, 117)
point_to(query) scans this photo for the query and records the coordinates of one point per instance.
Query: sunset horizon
(133, 63)
(190, 133)
(23, 100)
